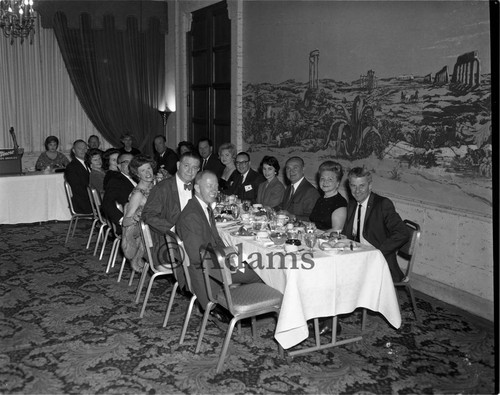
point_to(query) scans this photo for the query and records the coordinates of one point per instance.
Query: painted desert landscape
(424, 141)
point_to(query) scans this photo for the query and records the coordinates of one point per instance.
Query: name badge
(248, 188)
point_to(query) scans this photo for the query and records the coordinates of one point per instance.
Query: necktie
(204, 164)
(237, 186)
(212, 218)
(358, 230)
(289, 199)
(188, 186)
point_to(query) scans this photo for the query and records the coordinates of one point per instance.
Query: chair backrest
(112, 224)
(179, 256)
(408, 250)
(92, 202)
(69, 195)
(96, 198)
(213, 260)
(148, 244)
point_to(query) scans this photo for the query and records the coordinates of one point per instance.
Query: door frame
(180, 20)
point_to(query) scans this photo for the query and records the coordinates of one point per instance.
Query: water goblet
(310, 239)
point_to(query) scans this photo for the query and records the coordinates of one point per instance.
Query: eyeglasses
(242, 162)
(124, 161)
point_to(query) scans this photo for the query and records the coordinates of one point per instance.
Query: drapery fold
(118, 75)
(38, 98)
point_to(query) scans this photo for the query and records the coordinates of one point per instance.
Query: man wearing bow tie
(166, 201)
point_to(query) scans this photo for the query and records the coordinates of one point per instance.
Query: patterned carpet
(67, 327)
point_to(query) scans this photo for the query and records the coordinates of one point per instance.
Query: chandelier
(17, 19)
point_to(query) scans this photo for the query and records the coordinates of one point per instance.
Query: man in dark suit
(196, 227)
(248, 181)
(300, 196)
(165, 158)
(77, 175)
(210, 161)
(166, 201)
(372, 219)
(118, 190)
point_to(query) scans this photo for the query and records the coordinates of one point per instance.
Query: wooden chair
(242, 300)
(148, 243)
(180, 257)
(74, 215)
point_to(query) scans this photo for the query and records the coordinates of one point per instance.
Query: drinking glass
(235, 210)
(246, 205)
(310, 227)
(257, 225)
(310, 239)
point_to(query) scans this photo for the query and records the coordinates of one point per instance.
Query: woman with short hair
(227, 156)
(141, 170)
(270, 192)
(51, 159)
(330, 210)
(93, 159)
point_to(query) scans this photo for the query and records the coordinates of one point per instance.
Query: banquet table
(33, 197)
(319, 284)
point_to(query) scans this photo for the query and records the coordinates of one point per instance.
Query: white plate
(226, 223)
(237, 234)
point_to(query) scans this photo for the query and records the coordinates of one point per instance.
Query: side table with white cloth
(324, 284)
(33, 197)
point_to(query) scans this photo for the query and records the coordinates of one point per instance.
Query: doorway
(209, 60)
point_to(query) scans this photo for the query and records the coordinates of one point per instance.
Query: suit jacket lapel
(202, 209)
(175, 192)
(288, 199)
(369, 208)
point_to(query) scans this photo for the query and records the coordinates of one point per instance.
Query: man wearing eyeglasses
(247, 183)
(118, 190)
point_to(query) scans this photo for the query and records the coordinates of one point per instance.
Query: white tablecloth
(331, 283)
(34, 197)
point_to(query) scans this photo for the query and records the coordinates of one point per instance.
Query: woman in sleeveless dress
(141, 170)
(330, 210)
(227, 155)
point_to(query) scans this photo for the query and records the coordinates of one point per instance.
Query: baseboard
(462, 300)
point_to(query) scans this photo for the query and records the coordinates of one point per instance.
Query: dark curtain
(118, 75)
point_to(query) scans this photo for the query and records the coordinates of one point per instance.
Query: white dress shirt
(184, 194)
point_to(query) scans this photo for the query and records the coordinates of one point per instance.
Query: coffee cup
(291, 247)
(261, 235)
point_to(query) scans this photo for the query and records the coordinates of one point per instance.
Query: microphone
(14, 139)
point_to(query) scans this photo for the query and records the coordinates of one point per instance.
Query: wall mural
(430, 132)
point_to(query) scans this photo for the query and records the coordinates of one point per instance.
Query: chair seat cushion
(251, 297)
